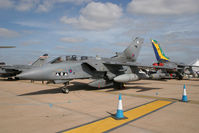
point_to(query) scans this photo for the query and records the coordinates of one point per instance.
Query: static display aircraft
(8, 71)
(105, 72)
(178, 70)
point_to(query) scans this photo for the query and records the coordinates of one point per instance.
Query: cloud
(6, 4)
(72, 40)
(76, 2)
(26, 5)
(5, 33)
(72, 50)
(95, 16)
(36, 5)
(121, 43)
(47, 5)
(19, 5)
(180, 46)
(100, 51)
(33, 42)
(34, 24)
(163, 7)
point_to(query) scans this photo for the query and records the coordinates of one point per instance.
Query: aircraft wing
(15, 67)
(135, 64)
(188, 66)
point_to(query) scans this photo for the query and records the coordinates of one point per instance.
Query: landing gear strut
(118, 86)
(65, 88)
(179, 76)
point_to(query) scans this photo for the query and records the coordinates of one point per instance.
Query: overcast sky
(102, 27)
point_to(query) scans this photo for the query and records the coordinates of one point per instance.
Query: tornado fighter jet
(178, 70)
(104, 72)
(8, 71)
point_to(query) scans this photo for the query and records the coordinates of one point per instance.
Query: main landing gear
(118, 86)
(65, 88)
(179, 76)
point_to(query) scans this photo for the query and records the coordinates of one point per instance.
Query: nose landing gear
(65, 88)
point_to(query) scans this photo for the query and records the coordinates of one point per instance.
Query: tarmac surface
(35, 107)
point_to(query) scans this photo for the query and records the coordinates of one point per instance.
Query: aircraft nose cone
(28, 75)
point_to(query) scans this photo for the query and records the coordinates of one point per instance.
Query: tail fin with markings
(160, 56)
(133, 50)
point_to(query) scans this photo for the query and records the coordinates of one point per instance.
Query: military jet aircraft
(105, 72)
(178, 70)
(8, 71)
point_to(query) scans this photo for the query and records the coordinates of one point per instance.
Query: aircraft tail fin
(41, 61)
(132, 51)
(160, 56)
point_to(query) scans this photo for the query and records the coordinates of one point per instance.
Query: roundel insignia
(70, 71)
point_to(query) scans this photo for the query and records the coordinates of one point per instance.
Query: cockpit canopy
(68, 58)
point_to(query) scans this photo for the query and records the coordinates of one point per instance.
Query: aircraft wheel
(16, 78)
(65, 90)
(180, 77)
(10, 78)
(118, 86)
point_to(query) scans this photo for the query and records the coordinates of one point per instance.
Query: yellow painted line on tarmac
(110, 123)
(149, 97)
